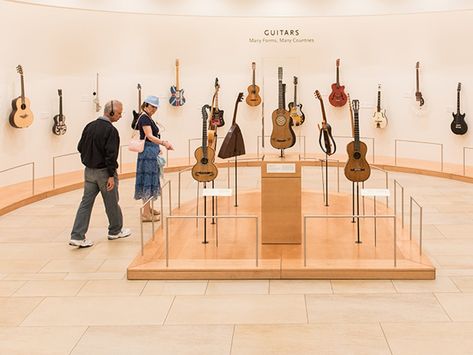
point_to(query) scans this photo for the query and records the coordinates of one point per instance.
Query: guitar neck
(458, 102)
(139, 100)
(417, 79)
(295, 94)
(60, 105)
(177, 76)
(357, 132)
(378, 108)
(254, 78)
(22, 90)
(324, 118)
(338, 77)
(281, 95)
(204, 138)
(235, 112)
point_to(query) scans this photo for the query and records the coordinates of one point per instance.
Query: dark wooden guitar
(233, 145)
(137, 113)
(204, 170)
(59, 127)
(295, 109)
(21, 115)
(338, 98)
(216, 116)
(326, 141)
(458, 125)
(379, 117)
(282, 136)
(419, 97)
(253, 98)
(357, 168)
(177, 94)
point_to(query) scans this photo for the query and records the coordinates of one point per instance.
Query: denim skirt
(147, 182)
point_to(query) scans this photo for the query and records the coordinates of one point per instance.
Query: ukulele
(136, 114)
(216, 116)
(96, 95)
(338, 98)
(325, 130)
(357, 168)
(59, 127)
(21, 115)
(458, 125)
(419, 97)
(253, 98)
(379, 117)
(282, 135)
(295, 109)
(177, 95)
(204, 170)
(233, 145)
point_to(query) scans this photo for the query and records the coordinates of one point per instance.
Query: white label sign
(216, 192)
(285, 168)
(375, 192)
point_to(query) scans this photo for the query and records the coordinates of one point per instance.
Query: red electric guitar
(338, 98)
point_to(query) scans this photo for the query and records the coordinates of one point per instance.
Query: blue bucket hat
(152, 100)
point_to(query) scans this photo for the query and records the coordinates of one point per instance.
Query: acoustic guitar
(59, 127)
(21, 115)
(96, 94)
(212, 127)
(216, 116)
(233, 144)
(177, 94)
(458, 125)
(379, 117)
(282, 136)
(338, 98)
(253, 98)
(328, 145)
(204, 170)
(137, 113)
(357, 168)
(295, 109)
(419, 97)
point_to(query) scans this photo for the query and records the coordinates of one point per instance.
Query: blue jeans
(95, 181)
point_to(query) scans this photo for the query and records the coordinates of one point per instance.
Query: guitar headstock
(379, 88)
(459, 87)
(338, 62)
(19, 69)
(356, 105)
(280, 73)
(295, 80)
(417, 65)
(204, 112)
(138, 86)
(253, 66)
(177, 63)
(317, 93)
(239, 98)
(59, 92)
(217, 85)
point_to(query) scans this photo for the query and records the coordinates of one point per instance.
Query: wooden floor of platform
(331, 249)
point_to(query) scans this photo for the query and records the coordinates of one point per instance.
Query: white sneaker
(82, 243)
(125, 232)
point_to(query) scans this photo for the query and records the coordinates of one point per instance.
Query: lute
(458, 125)
(282, 136)
(59, 127)
(204, 169)
(379, 117)
(21, 115)
(253, 98)
(295, 109)
(326, 141)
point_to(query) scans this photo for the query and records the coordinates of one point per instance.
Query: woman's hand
(168, 145)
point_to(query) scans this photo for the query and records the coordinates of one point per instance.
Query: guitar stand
(357, 219)
(214, 203)
(282, 153)
(325, 184)
(236, 183)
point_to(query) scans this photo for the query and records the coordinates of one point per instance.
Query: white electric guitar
(379, 117)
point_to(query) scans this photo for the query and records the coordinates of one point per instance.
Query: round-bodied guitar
(21, 115)
(59, 127)
(204, 169)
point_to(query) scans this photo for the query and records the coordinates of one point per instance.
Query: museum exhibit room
(236, 177)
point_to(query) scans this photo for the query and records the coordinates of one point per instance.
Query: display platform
(331, 249)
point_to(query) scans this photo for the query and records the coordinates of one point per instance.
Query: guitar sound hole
(204, 161)
(280, 120)
(357, 155)
(23, 106)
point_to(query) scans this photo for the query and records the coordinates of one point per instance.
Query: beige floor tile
(237, 287)
(73, 311)
(363, 286)
(456, 230)
(143, 340)
(440, 284)
(95, 276)
(237, 309)
(363, 339)
(2, 276)
(459, 306)
(36, 276)
(20, 234)
(14, 310)
(8, 288)
(287, 287)
(430, 231)
(175, 287)
(22, 265)
(455, 261)
(67, 265)
(116, 249)
(111, 288)
(442, 271)
(429, 338)
(39, 340)
(114, 265)
(49, 288)
(464, 283)
(361, 308)
(449, 247)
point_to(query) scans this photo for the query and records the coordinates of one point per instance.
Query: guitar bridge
(357, 169)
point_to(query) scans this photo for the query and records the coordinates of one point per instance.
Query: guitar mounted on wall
(418, 94)
(328, 146)
(21, 115)
(338, 98)
(253, 98)
(204, 169)
(216, 116)
(59, 127)
(295, 109)
(357, 168)
(379, 117)
(177, 94)
(233, 145)
(96, 94)
(136, 114)
(458, 125)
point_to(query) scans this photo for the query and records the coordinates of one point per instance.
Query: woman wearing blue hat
(148, 166)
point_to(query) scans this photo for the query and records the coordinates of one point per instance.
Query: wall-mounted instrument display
(338, 98)
(21, 115)
(295, 109)
(233, 145)
(204, 169)
(59, 127)
(253, 98)
(137, 113)
(282, 136)
(418, 94)
(357, 168)
(379, 117)
(458, 125)
(326, 141)
(96, 94)
(177, 94)
(216, 117)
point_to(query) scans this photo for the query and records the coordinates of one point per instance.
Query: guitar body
(295, 112)
(177, 97)
(337, 98)
(217, 118)
(357, 168)
(21, 116)
(379, 119)
(212, 138)
(204, 170)
(329, 147)
(282, 136)
(253, 98)
(59, 127)
(458, 125)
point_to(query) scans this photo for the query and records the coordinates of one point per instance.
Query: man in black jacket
(98, 147)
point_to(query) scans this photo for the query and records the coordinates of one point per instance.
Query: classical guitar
(357, 168)
(295, 109)
(282, 136)
(177, 94)
(204, 169)
(96, 95)
(379, 117)
(137, 113)
(216, 116)
(59, 127)
(21, 115)
(458, 125)
(328, 145)
(253, 98)
(338, 98)
(419, 97)
(233, 145)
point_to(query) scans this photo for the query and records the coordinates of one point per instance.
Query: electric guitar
(204, 170)
(253, 98)
(59, 127)
(136, 114)
(458, 125)
(216, 116)
(328, 147)
(177, 95)
(21, 115)
(295, 109)
(282, 136)
(338, 98)
(96, 95)
(379, 117)
(419, 97)
(357, 168)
